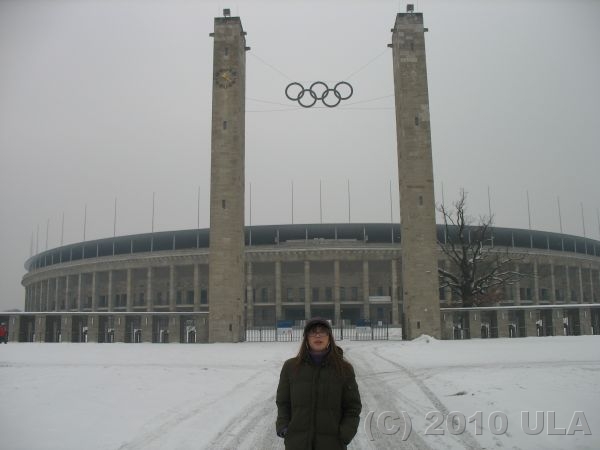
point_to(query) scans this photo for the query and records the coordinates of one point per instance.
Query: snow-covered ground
(149, 396)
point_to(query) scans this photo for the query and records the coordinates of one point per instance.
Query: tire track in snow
(375, 396)
(161, 429)
(253, 428)
(466, 438)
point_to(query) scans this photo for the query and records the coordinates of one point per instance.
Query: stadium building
(154, 287)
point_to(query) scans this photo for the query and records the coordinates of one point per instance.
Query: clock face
(225, 78)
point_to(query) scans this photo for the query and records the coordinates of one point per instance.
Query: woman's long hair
(335, 357)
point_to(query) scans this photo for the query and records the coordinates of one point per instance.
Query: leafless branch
(477, 271)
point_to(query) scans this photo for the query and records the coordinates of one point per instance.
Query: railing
(374, 332)
(459, 333)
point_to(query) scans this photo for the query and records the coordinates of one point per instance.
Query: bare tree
(478, 271)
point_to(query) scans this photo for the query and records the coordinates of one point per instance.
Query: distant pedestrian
(318, 403)
(3, 332)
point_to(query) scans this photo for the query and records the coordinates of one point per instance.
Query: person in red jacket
(3, 333)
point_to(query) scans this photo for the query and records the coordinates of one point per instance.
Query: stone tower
(226, 260)
(415, 173)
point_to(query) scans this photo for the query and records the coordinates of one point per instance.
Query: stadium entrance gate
(292, 331)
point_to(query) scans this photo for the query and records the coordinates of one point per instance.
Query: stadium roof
(261, 235)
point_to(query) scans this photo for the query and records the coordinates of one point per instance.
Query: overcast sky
(112, 99)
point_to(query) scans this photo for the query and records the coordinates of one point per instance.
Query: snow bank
(424, 339)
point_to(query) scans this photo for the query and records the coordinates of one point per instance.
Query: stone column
(336, 293)
(591, 285)
(120, 328)
(67, 294)
(447, 324)
(33, 295)
(41, 296)
(226, 275)
(92, 334)
(475, 324)
(130, 294)
(278, 290)
(147, 321)
(580, 276)
(585, 321)
(40, 328)
(420, 281)
(174, 329)
(79, 291)
(172, 292)
(557, 322)
(49, 292)
(66, 329)
(36, 297)
(568, 288)
(249, 296)
(110, 295)
(536, 286)
(552, 284)
(14, 328)
(530, 322)
(307, 290)
(517, 299)
(196, 287)
(365, 285)
(52, 295)
(94, 296)
(149, 300)
(202, 324)
(48, 298)
(502, 317)
(56, 300)
(394, 269)
(63, 294)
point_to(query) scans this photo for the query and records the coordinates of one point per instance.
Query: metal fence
(459, 332)
(374, 332)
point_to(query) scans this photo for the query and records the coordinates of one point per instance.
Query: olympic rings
(318, 91)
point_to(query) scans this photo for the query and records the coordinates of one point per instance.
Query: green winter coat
(319, 407)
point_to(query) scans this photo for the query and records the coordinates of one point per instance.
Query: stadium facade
(155, 287)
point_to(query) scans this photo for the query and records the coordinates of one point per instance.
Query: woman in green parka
(318, 403)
